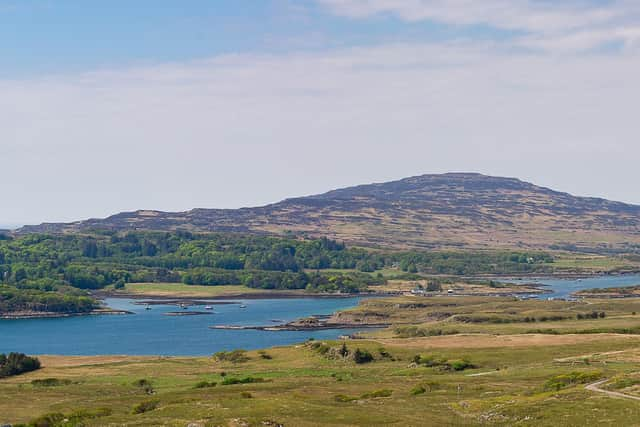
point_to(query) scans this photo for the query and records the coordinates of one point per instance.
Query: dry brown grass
(491, 341)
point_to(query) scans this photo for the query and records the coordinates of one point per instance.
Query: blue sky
(48, 36)
(123, 105)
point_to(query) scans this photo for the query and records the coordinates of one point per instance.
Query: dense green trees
(92, 262)
(16, 299)
(17, 363)
(46, 268)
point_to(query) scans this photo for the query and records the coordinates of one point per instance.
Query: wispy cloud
(573, 25)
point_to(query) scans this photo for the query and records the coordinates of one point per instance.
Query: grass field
(593, 263)
(304, 388)
(195, 291)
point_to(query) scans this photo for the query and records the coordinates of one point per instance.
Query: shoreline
(53, 315)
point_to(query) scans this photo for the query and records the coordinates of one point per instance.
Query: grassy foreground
(509, 385)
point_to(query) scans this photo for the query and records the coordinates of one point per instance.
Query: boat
(243, 306)
(208, 307)
(147, 307)
(184, 306)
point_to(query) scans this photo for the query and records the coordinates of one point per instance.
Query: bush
(235, 356)
(378, 393)
(246, 395)
(623, 383)
(205, 384)
(362, 356)
(414, 331)
(246, 380)
(418, 390)
(48, 420)
(320, 347)
(16, 364)
(75, 418)
(461, 365)
(145, 385)
(343, 398)
(264, 355)
(429, 360)
(50, 382)
(565, 380)
(385, 354)
(434, 286)
(146, 406)
(442, 363)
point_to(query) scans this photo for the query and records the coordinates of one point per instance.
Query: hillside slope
(448, 210)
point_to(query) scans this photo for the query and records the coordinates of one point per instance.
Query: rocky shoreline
(317, 322)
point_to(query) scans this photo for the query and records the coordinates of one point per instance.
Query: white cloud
(245, 129)
(574, 25)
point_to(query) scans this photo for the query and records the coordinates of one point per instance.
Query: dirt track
(596, 387)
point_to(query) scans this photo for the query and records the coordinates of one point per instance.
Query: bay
(150, 332)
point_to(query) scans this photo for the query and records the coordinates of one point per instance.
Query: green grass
(590, 263)
(182, 290)
(304, 388)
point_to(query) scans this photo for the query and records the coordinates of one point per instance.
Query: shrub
(264, 355)
(378, 393)
(434, 286)
(442, 363)
(145, 385)
(205, 384)
(246, 380)
(75, 418)
(146, 406)
(320, 347)
(371, 395)
(246, 395)
(418, 390)
(461, 365)
(50, 382)
(385, 354)
(565, 380)
(429, 360)
(623, 383)
(235, 356)
(362, 356)
(48, 420)
(344, 351)
(414, 331)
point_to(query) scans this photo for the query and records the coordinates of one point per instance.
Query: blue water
(562, 288)
(149, 332)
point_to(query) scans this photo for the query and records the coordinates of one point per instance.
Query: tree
(362, 356)
(434, 286)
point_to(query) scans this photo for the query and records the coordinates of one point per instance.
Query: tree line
(45, 272)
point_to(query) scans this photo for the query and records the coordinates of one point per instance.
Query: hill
(427, 211)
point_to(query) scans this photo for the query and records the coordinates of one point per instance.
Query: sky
(171, 105)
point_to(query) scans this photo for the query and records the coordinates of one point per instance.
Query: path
(595, 387)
